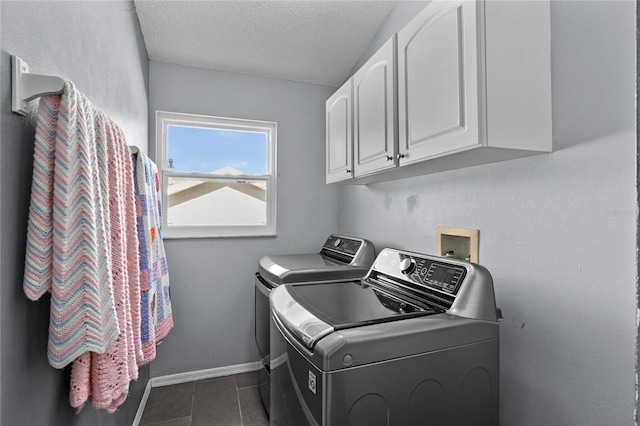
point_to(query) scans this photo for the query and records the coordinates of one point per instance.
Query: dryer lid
(341, 258)
(294, 268)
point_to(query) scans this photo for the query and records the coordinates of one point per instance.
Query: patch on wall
(412, 202)
(388, 200)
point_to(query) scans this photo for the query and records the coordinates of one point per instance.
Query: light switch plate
(460, 243)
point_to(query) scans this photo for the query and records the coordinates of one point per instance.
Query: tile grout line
(239, 404)
(240, 409)
(193, 397)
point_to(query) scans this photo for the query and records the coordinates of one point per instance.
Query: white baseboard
(210, 373)
(143, 403)
(191, 376)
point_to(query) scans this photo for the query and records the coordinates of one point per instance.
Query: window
(218, 175)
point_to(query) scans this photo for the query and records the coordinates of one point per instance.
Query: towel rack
(27, 86)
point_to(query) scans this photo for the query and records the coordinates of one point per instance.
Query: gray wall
(97, 45)
(212, 285)
(549, 224)
(557, 231)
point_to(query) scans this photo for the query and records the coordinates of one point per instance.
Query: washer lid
(311, 311)
(293, 268)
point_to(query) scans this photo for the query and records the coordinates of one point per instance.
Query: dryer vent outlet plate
(460, 243)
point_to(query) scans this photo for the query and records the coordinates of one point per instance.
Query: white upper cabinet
(374, 112)
(438, 82)
(339, 133)
(473, 87)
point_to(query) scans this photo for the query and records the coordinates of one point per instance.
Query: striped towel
(156, 317)
(82, 248)
(105, 378)
(67, 250)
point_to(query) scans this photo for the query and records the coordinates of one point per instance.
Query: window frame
(165, 119)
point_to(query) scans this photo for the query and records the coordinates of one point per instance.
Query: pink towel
(82, 247)
(104, 378)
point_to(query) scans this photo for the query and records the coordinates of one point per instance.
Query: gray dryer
(340, 258)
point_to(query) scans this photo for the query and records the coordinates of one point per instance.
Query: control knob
(337, 243)
(407, 266)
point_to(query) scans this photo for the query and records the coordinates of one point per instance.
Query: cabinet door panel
(371, 118)
(339, 134)
(338, 122)
(374, 112)
(438, 82)
(434, 70)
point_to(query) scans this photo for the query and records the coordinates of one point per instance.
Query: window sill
(189, 232)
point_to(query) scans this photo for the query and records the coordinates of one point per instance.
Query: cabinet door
(374, 112)
(438, 81)
(339, 134)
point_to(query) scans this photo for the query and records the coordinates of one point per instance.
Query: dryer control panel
(342, 244)
(349, 250)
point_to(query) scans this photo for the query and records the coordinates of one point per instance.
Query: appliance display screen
(444, 277)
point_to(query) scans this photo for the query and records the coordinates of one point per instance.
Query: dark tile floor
(223, 401)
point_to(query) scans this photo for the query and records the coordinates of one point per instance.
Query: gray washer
(415, 342)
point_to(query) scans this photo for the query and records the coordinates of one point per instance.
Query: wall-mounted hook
(26, 86)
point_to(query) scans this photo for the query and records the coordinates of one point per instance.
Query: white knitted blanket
(67, 237)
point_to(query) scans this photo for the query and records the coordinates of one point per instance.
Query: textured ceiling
(307, 41)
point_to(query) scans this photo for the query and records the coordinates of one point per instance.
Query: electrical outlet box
(459, 243)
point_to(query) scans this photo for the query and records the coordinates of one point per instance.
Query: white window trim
(165, 119)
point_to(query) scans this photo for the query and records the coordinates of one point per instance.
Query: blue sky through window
(204, 150)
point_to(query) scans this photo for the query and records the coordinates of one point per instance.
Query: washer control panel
(434, 273)
(438, 283)
(438, 275)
